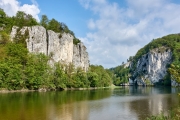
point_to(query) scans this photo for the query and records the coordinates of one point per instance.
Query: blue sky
(112, 30)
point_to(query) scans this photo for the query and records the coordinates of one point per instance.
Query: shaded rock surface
(152, 67)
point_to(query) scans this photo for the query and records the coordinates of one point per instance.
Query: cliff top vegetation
(22, 19)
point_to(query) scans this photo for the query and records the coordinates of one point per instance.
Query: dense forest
(20, 69)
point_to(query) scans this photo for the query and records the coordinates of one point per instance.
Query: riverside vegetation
(20, 69)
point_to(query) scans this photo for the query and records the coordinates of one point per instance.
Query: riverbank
(13, 91)
(3, 90)
(173, 114)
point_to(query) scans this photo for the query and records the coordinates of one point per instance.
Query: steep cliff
(152, 67)
(156, 63)
(80, 56)
(58, 46)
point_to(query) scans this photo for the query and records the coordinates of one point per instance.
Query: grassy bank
(174, 114)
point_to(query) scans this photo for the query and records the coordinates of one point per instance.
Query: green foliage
(22, 19)
(10, 75)
(172, 115)
(20, 69)
(3, 52)
(121, 75)
(167, 79)
(4, 38)
(93, 79)
(36, 71)
(76, 41)
(17, 53)
(21, 38)
(175, 72)
(80, 79)
(44, 21)
(2, 18)
(59, 77)
(54, 25)
(58, 27)
(98, 76)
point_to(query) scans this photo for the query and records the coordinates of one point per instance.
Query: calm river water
(126, 103)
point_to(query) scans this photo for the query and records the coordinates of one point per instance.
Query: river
(124, 103)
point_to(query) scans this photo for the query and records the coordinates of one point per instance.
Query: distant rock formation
(58, 46)
(152, 67)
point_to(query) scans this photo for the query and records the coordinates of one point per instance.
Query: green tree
(17, 53)
(175, 72)
(54, 25)
(22, 19)
(2, 18)
(93, 79)
(36, 71)
(59, 77)
(80, 79)
(44, 21)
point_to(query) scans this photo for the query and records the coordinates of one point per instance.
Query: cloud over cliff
(118, 31)
(12, 6)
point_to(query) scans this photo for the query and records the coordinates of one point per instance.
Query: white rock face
(152, 67)
(80, 56)
(37, 41)
(13, 32)
(127, 64)
(58, 46)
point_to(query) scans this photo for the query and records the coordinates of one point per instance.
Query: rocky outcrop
(36, 40)
(58, 46)
(152, 67)
(80, 56)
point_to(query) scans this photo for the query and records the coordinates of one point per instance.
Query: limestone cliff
(80, 56)
(152, 67)
(58, 46)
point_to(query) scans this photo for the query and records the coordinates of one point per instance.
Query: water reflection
(147, 101)
(108, 104)
(67, 105)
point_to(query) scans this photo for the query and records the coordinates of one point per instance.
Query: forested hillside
(20, 69)
(171, 42)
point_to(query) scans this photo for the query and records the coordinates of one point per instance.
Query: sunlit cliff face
(58, 46)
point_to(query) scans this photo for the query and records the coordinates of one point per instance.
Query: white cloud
(85, 3)
(118, 33)
(12, 6)
(91, 24)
